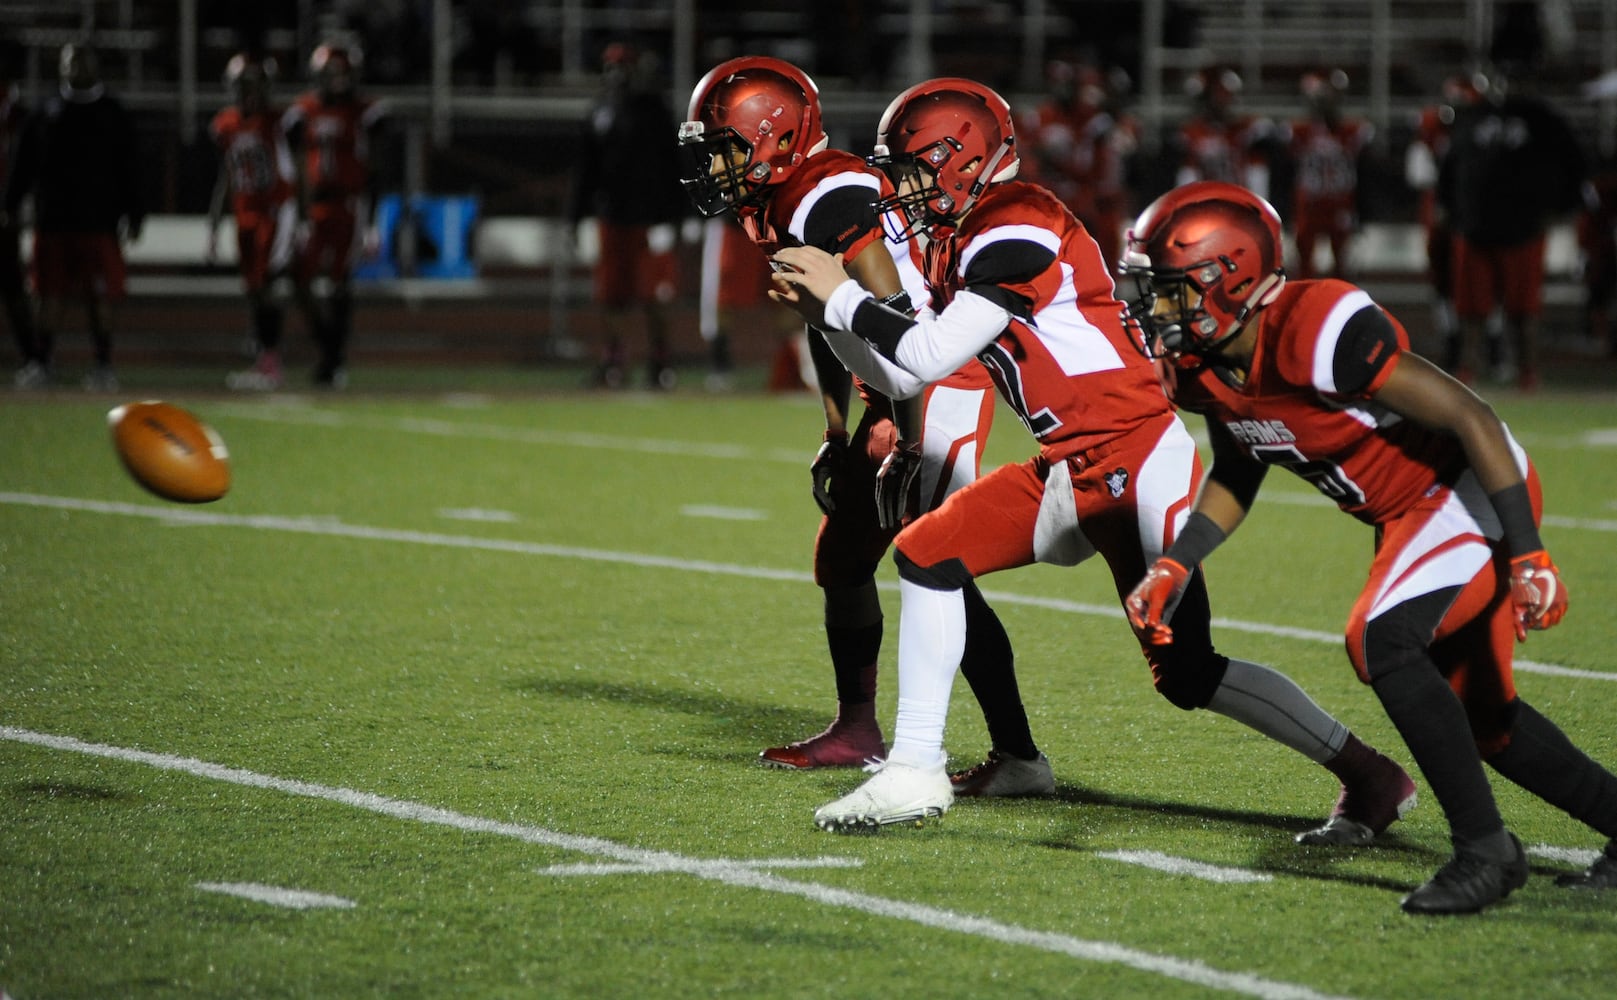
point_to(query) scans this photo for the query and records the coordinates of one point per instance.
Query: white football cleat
(895, 793)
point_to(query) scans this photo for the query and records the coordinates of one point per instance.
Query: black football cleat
(1600, 875)
(1468, 883)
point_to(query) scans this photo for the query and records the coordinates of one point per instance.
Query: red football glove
(1151, 598)
(1537, 593)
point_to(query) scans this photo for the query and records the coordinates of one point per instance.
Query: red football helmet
(752, 122)
(1210, 253)
(335, 66)
(248, 78)
(942, 143)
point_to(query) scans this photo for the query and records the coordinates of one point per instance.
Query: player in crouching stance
(1021, 286)
(1315, 377)
(755, 146)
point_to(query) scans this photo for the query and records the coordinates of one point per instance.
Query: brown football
(170, 452)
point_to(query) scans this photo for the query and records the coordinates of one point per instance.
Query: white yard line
(741, 874)
(1158, 861)
(291, 899)
(178, 515)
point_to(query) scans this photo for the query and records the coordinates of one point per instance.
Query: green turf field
(460, 694)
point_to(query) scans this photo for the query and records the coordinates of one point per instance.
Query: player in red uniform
(256, 177)
(1315, 377)
(1018, 284)
(757, 148)
(1325, 149)
(1217, 142)
(331, 130)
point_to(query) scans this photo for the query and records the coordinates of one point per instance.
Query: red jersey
(257, 158)
(1327, 158)
(1217, 150)
(1065, 362)
(1324, 348)
(335, 143)
(827, 202)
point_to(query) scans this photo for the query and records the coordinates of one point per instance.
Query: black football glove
(895, 482)
(827, 464)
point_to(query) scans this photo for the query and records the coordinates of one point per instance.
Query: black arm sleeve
(1367, 344)
(1006, 263)
(880, 326)
(1233, 468)
(840, 217)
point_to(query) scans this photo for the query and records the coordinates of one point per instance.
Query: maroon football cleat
(1371, 800)
(841, 745)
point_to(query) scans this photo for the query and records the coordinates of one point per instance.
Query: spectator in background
(1080, 148)
(1513, 166)
(627, 178)
(332, 131)
(1325, 149)
(1218, 144)
(77, 159)
(1422, 162)
(1597, 256)
(258, 180)
(14, 299)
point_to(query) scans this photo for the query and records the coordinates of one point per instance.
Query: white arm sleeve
(867, 363)
(939, 344)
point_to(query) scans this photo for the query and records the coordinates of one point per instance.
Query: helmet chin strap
(992, 173)
(1267, 291)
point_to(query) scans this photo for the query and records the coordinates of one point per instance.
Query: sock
(989, 666)
(931, 640)
(1272, 703)
(1541, 759)
(853, 634)
(1353, 761)
(1434, 726)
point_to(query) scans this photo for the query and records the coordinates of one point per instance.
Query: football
(170, 452)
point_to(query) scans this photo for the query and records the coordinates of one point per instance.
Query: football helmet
(752, 122)
(1205, 257)
(248, 78)
(335, 66)
(941, 143)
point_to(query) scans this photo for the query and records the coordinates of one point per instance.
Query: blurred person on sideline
(78, 160)
(14, 299)
(1597, 257)
(258, 181)
(756, 149)
(1324, 148)
(1018, 284)
(1513, 168)
(1315, 377)
(333, 131)
(629, 182)
(1080, 144)
(734, 290)
(1218, 142)
(1423, 161)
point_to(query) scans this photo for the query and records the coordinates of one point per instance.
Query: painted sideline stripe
(1184, 866)
(761, 864)
(172, 514)
(726, 872)
(292, 899)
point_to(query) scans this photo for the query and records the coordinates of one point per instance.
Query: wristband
(1515, 510)
(1196, 542)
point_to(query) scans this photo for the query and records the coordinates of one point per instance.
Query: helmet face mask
(1205, 258)
(918, 204)
(719, 171)
(752, 122)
